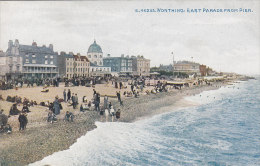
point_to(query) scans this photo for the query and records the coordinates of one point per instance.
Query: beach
(41, 139)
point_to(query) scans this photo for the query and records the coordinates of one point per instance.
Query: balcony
(40, 71)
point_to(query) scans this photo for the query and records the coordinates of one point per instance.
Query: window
(34, 61)
(100, 56)
(51, 57)
(27, 56)
(100, 63)
(46, 56)
(26, 60)
(89, 56)
(95, 56)
(34, 56)
(46, 62)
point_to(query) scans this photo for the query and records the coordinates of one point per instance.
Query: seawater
(223, 130)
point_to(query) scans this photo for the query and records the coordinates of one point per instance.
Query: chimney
(62, 53)
(34, 43)
(108, 55)
(51, 47)
(10, 43)
(16, 43)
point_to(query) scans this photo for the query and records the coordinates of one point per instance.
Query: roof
(43, 49)
(94, 48)
(81, 58)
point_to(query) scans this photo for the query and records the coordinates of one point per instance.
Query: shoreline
(42, 141)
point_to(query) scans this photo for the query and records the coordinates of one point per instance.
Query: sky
(227, 42)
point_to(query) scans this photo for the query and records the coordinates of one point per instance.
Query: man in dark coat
(23, 121)
(56, 106)
(119, 97)
(69, 95)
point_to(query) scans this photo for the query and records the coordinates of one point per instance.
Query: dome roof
(94, 48)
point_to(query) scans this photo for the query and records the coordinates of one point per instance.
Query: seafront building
(120, 65)
(71, 65)
(141, 66)
(167, 68)
(3, 65)
(31, 61)
(95, 56)
(187, 67)
(66, 65)
(81, 66)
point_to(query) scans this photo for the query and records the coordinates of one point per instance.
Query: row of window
(34, 56)
(34, 61)
(77, 64)
(95, 56)
(77, 70)
(100, 69)
(96, 63)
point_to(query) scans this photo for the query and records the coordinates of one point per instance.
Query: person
(84, 99)
(112, 112)
(25, 109)
(97, 102)
(116, 86)
(8, 129)
(105, 102)
(94, 92)
(56, 106)
(118, 114)
(64, 95)
(119, 97)
(120, 85)
(107, 114)
(3, 118)
(132, 88)
(23, 121)
(89, 104)
(76, 101)
(14, 110)
(69, 116)
(110, 105)
(69, 95)
(81, 109)
(73, 101)
(51, 117)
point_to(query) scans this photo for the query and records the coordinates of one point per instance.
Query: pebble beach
(41, 139)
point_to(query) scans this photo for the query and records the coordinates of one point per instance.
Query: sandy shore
(41, 139)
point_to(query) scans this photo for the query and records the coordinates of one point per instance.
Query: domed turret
(94, 48)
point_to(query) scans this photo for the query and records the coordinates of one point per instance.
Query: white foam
(206, 97)
(111, 138)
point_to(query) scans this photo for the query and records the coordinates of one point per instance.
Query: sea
(223, 129)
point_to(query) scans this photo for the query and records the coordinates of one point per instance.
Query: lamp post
(172, 65)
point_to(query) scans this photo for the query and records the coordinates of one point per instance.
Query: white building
(95, 54)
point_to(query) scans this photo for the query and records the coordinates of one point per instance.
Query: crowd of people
(104, 109)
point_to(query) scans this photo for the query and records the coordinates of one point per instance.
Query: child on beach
(112, 112)
(69, 116)
(118, 114)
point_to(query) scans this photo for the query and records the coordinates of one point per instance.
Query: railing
(40, 71)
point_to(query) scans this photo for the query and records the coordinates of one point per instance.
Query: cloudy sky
(224, 41)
